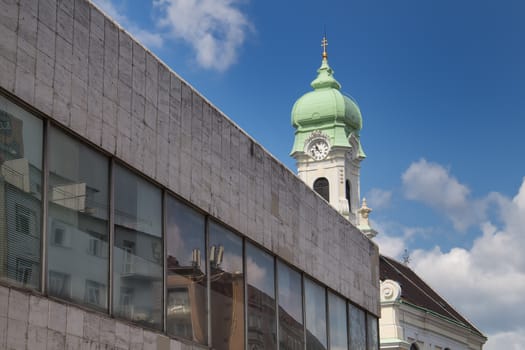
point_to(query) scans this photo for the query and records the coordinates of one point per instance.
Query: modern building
(135, 215)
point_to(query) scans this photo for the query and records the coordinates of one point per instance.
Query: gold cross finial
(324, 44)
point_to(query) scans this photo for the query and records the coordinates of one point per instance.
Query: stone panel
(3, 332)
(38, 311)
(18, 306)
(9, 14)
(16, 334)
(57, 317)
(4, 302)
(36, 337)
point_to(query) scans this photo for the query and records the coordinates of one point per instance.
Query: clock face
(318, 149)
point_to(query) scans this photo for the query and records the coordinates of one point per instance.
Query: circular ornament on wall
(390, 290)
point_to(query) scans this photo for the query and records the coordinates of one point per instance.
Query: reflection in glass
(138, 248)
(291, 331)
(227, 289)
(315, 308)
(21, 137)
(357, 328)
(186, 280)
(261, 299)
(338, 326)
(78, 222)
(373, 342)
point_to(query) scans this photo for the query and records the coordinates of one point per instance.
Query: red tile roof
(416, 292)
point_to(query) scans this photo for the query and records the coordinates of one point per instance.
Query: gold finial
(324, 44)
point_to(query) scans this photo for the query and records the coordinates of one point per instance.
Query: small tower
(364, 223)
(327, 148)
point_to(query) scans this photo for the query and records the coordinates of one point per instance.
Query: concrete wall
(33, 322)
(80, 69)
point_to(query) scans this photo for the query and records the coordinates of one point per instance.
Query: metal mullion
(276, 293)
(347, 323)
(327, 315)
(377, 331)
(111, 234)
(303, 297)
(164, 259)
(245, 301)
(44, 207)
(208, 280)
(366, 331)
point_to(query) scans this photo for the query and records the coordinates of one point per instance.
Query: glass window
(348, 192)
(322, 187)
(372, 336)
(357, 328)
(186, 280)
(78, 197)
(338, 324)
(315, 309)
(21, 137)
(138, 250)
(291, 331)
(262, 325)
(227, 289)
(59, 284)
(95, 293)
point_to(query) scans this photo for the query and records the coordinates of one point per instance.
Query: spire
(325, 78)
(324, 44)
(364, 224)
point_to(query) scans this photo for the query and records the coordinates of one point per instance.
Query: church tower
(327, 148)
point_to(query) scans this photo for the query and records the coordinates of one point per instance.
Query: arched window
(348, 195)
(322, 187)
(414, 346)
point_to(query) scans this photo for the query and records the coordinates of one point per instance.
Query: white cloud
(393, 238)
(486, 283)
(506, 340)
(147, 38)
(215, 29)
(391, 246)
(378, 198)
(433, 185)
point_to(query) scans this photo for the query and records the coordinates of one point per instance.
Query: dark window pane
(227, 289)
(261, 299)
(21, 136)
(291, 331)
(357, 328)
(59, 284)
(186, 283)
(138, 250)
(348, 195)
(322, 187)
(372, 332)
(78, 220)
(315, 307)
(338, 324)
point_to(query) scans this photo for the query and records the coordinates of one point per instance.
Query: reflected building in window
(186, 299)
(186, 273)
(20, 195)
(138, 250)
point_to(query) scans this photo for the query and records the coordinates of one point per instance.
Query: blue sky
(441, 87)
